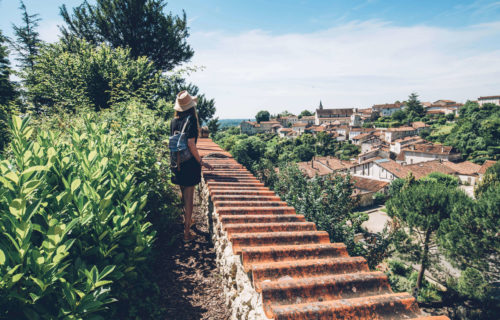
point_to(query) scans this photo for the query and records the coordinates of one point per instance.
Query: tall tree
(27, 45)
(7, 88)
(420, 207)
(262, 115)
(305, 113)
(7, 92)
(415, 108)
(213, 126)
(140, 25)
(27, 38)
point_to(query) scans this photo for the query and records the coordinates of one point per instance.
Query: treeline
(85, 191)
(250, 150)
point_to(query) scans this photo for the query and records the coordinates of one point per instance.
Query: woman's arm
(196, 155)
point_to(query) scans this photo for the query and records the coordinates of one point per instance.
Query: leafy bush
(76, 74)
(325, 201)
(4, 131)
(74, 224)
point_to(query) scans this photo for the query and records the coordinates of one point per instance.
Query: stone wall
(241, 297)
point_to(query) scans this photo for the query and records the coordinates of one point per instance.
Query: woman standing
(189, 173)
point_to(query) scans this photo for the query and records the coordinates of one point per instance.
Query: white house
(427, 152)
(397, 133)
(299, 127)
(488, 99)
(387, 109)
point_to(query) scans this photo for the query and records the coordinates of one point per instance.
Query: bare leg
(187, 195)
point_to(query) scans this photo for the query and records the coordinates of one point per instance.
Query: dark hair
(189, 112)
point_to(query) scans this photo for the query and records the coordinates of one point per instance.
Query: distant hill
(225, 123)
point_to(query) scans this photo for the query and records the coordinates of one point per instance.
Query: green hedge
(75, 235)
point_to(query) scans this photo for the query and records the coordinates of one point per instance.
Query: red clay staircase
(300, 274)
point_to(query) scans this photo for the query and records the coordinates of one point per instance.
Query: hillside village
(386, 153)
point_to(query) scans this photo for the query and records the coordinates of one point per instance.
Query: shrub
(75, 206)
(78, 74)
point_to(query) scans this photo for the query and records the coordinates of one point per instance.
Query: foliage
(5, 114)
(399, 115)
(248, 151)
(444, 179)
(27, 38)
(476, 134)
(324, 200)
(305, 113)
(81, 75)
(213, 126)
(403, 279)
(420, 207)
(140, 25)
(27, 46)
(262, 115)
(491, 178)
(75, 233)
(414, 108)
(472, 284)
(279, 150)
(7, 88)
(478, 220)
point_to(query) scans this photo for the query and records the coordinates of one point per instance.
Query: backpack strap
(185, 124)
(183, 129)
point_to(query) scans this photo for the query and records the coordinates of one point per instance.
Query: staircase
(298, 272)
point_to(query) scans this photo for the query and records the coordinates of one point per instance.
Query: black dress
(190, 172)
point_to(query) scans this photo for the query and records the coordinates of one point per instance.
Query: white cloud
(354, 65)
(49, 31)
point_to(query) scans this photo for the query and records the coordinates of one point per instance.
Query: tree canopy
(262, 115)
(7, 88)
(420, 207)
(305, 113)
(140, 25)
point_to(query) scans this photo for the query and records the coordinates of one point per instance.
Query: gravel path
(191, 285)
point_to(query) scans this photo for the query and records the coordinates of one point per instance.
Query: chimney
(442, 149)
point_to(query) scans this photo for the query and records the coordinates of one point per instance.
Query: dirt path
(190, 282)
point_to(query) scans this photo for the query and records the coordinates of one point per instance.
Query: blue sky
(282, 54)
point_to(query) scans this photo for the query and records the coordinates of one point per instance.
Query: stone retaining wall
(244, 302)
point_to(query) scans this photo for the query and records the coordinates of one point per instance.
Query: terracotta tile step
(306, 268)
(226, 166)
(241, 240)
(324, 288)
(232, 179)
(236, 189)
(239, 191)
(236, 204)
(235, 184)
(431, 318)
(228, 171)
(255, 210)
(212, 174)
(257, 192)
(250, 256)
(245, 198)
(261, 218)
(269, 227)
(394, 306)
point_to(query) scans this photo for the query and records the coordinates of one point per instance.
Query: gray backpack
(179, 151)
